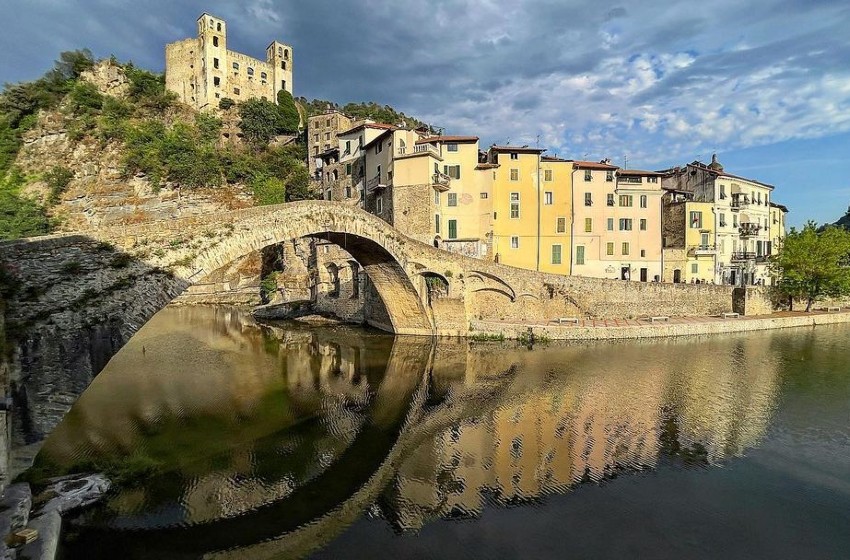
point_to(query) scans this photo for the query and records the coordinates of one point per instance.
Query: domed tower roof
(715, 165)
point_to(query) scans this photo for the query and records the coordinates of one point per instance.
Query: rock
(14, 512)
(49, 527)
(68, 493)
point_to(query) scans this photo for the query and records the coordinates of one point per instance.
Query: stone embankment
(625, 329)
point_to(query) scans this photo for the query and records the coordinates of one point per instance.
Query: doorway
(644, 274)
(677, 276)
(624, 273)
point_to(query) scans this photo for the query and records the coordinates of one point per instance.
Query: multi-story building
(532, 204)
(689, 240)
(322, 137)
(740, 212)
(202, 71)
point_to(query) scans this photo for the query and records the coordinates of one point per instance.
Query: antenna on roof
(625, 161)
(538, 141)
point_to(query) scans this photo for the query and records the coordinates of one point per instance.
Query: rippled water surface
(231, 439)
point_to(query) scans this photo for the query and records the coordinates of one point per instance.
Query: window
(579, 254)
(643, 224)
(722, 192)
(437, 198)
(626, 200)
(696, 220)
(514, 242)
(625, 249)
(643, 253)
(379, 147)
(218, 27)
(379, 204)
(625, 224)
(452, 171)
(280, 51)
(588, 225)
(263, 76)
(587, 176)
(236, 66)
(348, 169)
(734, 220)
(437, 223)
(348, 191)
(452, 199)
(703, 240)
(514, 156)
(547, 198)
(236, 91)
(250, 71)
(610, 224)
(556, 254)
(547, 174)
(452, 229)
(215, 41)
(652, 179)
(378, 174)
(643, 201)
(514, 174)
(327, 135)
(283, 65)
(451, 147)
(695, 268)
(609, 175)
(215, 63)
(286, 54)
(609, 249)
(588, 199)
(216, 81)
(514, 205)
(561, 225)
(484, 195)
(610, 201)
(722, 219)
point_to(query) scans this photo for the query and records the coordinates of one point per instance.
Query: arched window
(355, 280)
(333, 280)
(250, 71)
(280, 51)
(218, 27)
(286, 54)
(335, 174)
(263, 76)
(236, 66)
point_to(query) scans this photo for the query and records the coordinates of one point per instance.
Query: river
(236, 440)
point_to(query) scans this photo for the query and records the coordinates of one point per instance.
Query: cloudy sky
(764, 83)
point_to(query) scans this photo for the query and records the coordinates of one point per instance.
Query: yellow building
(690, 240)
(531, 208)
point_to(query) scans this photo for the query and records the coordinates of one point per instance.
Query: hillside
(844, 221)
(370, 110)
(91, 144)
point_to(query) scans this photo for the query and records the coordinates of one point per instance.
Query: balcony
(375, 183)
(739, 202)
(749, 229)
(743, 256)
(697, 250)
(419, 149)
(441, 182)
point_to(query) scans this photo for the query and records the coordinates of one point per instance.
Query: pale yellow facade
(700, 243)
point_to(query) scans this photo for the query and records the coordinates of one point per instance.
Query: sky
(765, 84)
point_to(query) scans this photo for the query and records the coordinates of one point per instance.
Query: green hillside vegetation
(370, 110)
(182, 151)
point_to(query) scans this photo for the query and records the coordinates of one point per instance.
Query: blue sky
(764, 83)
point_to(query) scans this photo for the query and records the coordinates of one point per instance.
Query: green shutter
(580, 254)
(452, 229)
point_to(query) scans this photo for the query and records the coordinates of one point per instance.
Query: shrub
(290, 117)
(71, 267)
(85, 99)
(57, 180)
(226, 103)
(262, 120)
(268, 190)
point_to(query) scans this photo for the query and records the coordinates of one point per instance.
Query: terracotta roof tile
(458, 139)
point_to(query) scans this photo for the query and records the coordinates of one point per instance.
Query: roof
(329, 151)
(487, 165)
(525, 149)
(640, 172)
(458, 139)
(382, 126)
(381, 136)
(721, 173)
(780, 206)
(555, 159)
(594, 165)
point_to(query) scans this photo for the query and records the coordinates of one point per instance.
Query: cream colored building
(202, 71)
(741, 215)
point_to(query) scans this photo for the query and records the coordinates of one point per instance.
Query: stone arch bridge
(74, 299)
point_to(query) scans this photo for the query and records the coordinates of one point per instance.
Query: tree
(290, 118)
(262, 120)
(814, 264)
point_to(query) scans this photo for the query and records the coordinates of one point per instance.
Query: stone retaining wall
(653, 330)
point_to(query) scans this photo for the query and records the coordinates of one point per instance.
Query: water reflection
(263, 442)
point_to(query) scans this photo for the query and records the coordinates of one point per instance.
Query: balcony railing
(743, 256)
(749, 229)
(419, 149)
(739, 202)
(441, 181)
(374, 183)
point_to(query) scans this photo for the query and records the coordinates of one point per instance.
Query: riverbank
(625, 329)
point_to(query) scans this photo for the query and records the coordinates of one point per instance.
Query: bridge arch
(380, 250)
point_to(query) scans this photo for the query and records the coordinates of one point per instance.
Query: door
(644, 273)
(733, 277)
(624, 273)
(677, 276)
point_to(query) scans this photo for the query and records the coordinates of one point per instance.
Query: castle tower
(279, 57)
(212, 38)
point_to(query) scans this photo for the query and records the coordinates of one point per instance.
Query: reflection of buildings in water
(609, 408)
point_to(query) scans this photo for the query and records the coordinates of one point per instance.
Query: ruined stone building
(202, 71)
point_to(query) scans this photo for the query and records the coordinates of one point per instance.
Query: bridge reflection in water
(239, 440)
